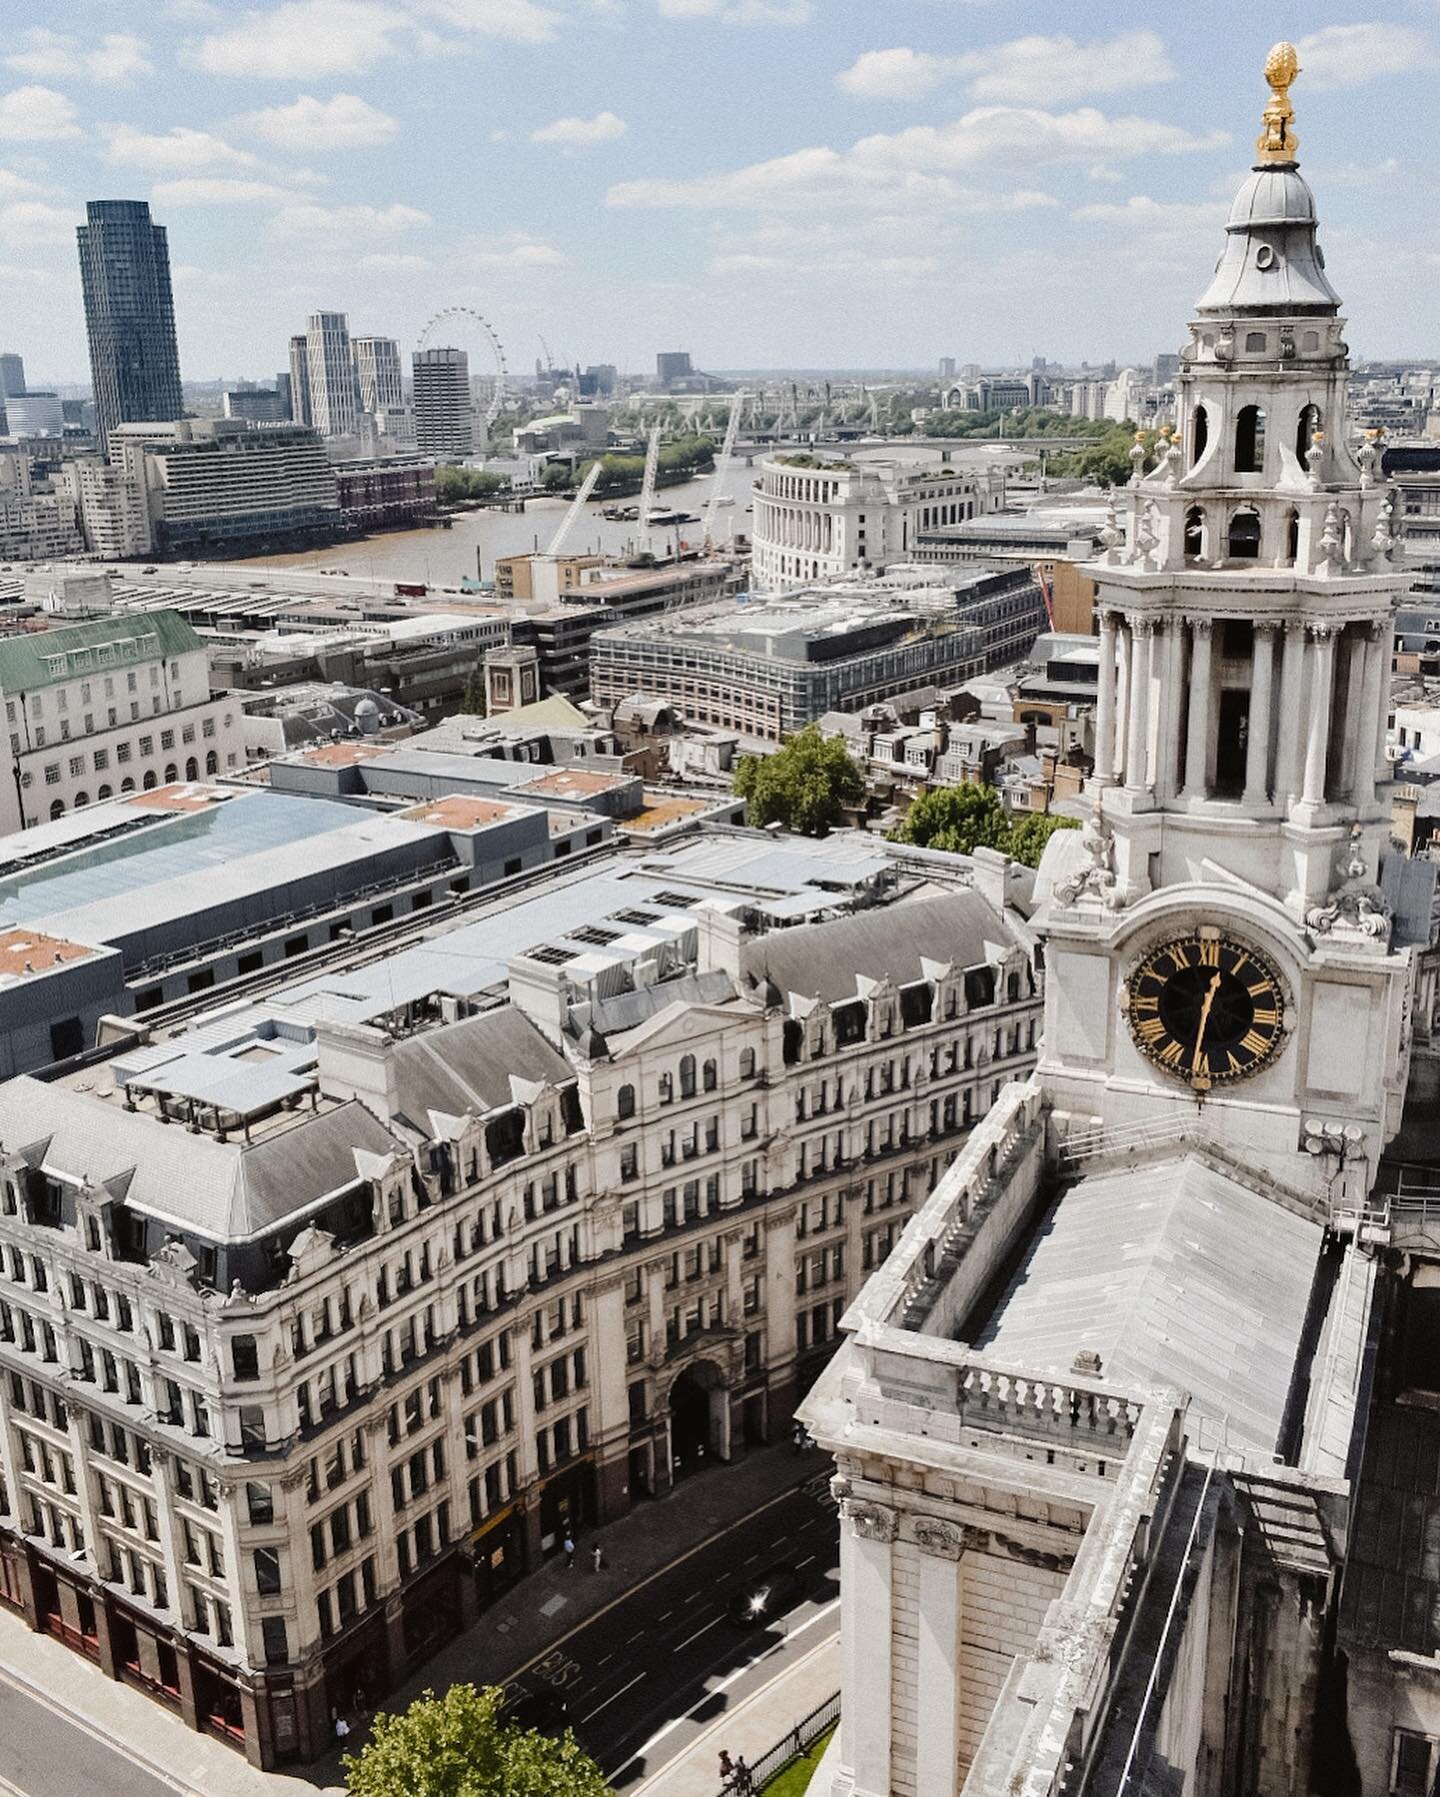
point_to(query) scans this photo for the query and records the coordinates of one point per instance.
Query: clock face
(1206, 1009)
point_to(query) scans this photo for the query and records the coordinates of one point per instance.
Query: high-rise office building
(377, 370)
(672, 365)
(334, 393)
(444, 408)
(129, 315)
(12, 376)
(300, 381)
(947, 368)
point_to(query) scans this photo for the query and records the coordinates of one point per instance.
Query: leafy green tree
(1029, 834)
(960, 819)
(805, 785)
(457, 1746)
(557, 476)
(956, 818)
(472, 701)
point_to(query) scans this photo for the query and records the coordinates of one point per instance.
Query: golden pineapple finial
(1277, 142)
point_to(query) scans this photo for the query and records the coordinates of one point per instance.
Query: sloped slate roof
(1175, 1274)
(25, 658)
(822, 960)
(468, 1065)
(224, 1190)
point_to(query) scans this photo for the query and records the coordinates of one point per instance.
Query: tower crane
(647, 488)
(577, 505)
(727, 455)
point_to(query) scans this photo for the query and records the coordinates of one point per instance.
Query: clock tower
(1215, 935)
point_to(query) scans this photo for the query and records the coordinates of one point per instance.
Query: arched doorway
(699, 1419)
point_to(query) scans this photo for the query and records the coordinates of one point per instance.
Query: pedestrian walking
(597, 1558)
(727, 1766)
(797, 1438)
(744, 1783)
(342, 1728)
(569, 1552)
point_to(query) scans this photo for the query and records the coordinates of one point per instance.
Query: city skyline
(878, 194)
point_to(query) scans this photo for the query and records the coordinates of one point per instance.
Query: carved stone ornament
(1367, 457)
(1355, 908)
(1095, 877)
(1111, 536)
(871, 1522)
(942, 1539)
(1034, 1556)
(1315, 455)
(1137, 458)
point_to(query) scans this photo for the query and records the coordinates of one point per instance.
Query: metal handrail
(775, 1759)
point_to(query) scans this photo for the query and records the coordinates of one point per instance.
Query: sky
(766, 183)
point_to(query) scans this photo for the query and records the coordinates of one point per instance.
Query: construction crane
(577, 505)
(722, 467)
(647, 488)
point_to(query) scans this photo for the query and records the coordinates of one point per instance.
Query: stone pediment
(174, 1265)
(311, 1249)
(678, 1026)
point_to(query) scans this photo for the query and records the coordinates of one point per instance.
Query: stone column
(865, 1546)
(1367, 694)
(1172, 682)
(938, 1632)
(1122, 694)
(1138, 724)
(1197, 734)
(1105, 702)
(1292, 715)
(1257, 742)
(1317, 741)
(1384, 653)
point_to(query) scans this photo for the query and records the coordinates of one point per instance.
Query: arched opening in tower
(1243, 542)
(1199, 434)
(1306, 426)
(1195, 531)
(1250, 440)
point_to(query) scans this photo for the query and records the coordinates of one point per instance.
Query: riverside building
(129, 316)
(323, 1321)
(1118, 1512)
(823, 520)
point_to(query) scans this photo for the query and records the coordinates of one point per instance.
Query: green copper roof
(47, 657)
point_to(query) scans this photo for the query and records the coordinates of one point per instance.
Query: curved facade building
(819, 520)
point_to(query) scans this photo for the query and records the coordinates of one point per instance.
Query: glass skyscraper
(129, 316)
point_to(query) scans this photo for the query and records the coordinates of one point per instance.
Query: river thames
(440, 557)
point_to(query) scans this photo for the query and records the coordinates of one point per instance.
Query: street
(48, 1755)
(658, 1667)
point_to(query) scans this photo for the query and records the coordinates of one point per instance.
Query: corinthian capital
(871, 1522)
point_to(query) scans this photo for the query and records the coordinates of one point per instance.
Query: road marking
(726, 1682)
(693, 1598)
(609, 1700)
(703, 1630)
(622, 1597)
(750, 1559)
(161, 1774)
(808, 1560)
(639, 1635)
(664, 1616)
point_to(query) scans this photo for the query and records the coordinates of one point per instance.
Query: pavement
(68, 1731)
(754, 1726)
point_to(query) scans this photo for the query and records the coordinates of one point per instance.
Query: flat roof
(24, 952)
(341, 754)
(458, 812)
(571, 783)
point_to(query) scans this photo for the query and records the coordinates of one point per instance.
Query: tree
(457, 1746)
(472, 701)
(961, 819)
(957, 818)
(557, 476)
(805, 785)
(1029, 834)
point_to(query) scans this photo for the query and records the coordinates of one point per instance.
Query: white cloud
(740, 12)
(35, 222)
(1348, 55)
(12, 184)
(345, 122)
(515, 21)
(1141, 213)
(218, 190)
(50, 56)
(1043, 69)
(389, 262)
(517, 255)
(36, 114)
(915, 167)
(605, 127)
(304, 219)
(170, 151)
(302, 39)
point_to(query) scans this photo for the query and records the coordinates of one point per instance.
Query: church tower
(1216, 935)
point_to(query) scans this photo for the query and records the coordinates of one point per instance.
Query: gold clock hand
(1211, 990)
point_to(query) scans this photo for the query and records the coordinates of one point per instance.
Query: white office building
(444, 404)
(334, 393)
(377, 370)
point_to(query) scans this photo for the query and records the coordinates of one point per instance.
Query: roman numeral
(1200, 1066)
(1180, 955)
(1171, 1054)
(1262, 989)
(1209, 954)
(1151, 1030)
(1235, 1066)
(1147, 1002)
(1268, 1016)
(1241, 960)
(1255, 1042)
